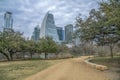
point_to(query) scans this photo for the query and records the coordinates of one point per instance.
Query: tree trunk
(111, 51)
(45, 55)
(23, 55)
(31, 55)
(7, 57)
(11, 56)
(85, 52)
(11, 52)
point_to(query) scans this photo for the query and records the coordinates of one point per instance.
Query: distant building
(60, 33)
(48, 27)
(36, 34)
(68, 33)
(8, 21)
(63, 35)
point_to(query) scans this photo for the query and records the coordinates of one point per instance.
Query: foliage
(13, 44)
(47, 45)
(83, 49)
(31, 47)
(111, 8)
(9, 41)
(62, 48)
(101, 26)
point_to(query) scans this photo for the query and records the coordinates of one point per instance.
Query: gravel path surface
(72, 69)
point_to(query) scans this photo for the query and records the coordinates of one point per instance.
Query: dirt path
(73, 69)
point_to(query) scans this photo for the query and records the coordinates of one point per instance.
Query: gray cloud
(28, 13)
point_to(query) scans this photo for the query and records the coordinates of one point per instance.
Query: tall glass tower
(48, 28)
(68, 33)
(60, 33)
(36, 34)
(8, 20)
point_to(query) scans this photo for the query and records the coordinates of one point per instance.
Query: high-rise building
(36, 34)
(63, 35)
(60, 33)
(48, 27)
(68, 33)
(8, 20)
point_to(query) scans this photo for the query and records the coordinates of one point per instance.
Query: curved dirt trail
(73, 69)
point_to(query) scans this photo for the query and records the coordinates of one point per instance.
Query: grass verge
(18, 70)
(113, 64)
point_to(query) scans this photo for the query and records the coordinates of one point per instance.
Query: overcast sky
(28, 13)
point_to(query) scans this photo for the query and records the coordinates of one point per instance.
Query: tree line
(13, 42)
(102, 26)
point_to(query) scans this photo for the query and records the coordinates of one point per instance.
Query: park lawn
(113, 64)
(18, 70)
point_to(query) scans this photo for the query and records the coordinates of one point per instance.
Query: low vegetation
(18, 70)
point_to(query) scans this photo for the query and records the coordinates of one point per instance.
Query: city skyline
(28, 13)
(49, 29)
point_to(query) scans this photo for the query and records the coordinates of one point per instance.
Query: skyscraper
(68, 33)
(36, 34)
(8, 20)
(60, 33)
(48, 28)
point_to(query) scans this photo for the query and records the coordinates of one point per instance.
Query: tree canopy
(9, 41)
(12, 42)
(101, 26)
(48, 46)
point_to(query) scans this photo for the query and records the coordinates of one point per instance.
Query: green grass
(115, 62)
(18, 70)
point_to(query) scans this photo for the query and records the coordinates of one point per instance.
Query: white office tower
(48, 28)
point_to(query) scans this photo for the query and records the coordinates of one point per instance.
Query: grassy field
(18, 70)
(113, 64)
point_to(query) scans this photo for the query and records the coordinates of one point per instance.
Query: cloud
(28, 13)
